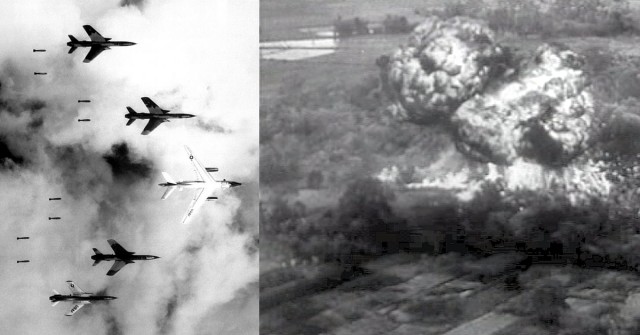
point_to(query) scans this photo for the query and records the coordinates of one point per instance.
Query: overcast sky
(192, 56)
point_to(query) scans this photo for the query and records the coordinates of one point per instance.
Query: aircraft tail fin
(130, 112)
(168, 178)
(73, 47)
(97, 252)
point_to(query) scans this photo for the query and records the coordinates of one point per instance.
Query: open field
(354, 60)
(405, 294)
(283, 19)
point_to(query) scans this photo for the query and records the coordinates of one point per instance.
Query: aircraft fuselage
(85, 297)
(144, 116)
(112, 257)
(186, 184)
(201, 184)
(105, 44)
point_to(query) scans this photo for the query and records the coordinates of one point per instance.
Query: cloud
(124, 166)
(193, 56)
(8, 158)
(138, 3)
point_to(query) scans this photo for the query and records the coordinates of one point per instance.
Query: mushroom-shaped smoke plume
(445, 63)
(544, 115)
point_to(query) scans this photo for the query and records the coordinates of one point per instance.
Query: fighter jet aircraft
(156, 115)
(121, 257)
(205, 185)
(98, 43)
(78, 297)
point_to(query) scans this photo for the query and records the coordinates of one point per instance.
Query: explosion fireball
(527, 125)
(444, 64)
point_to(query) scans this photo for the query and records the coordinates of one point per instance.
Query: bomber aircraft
(205, 185)
(97, 44)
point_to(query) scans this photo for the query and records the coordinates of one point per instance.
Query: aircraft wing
(93, 53)
(200, 171)
(196, 203)
(76, 307)
(75, 290)
(117, 265)
(117, 248)
(153, 124)
(152, 106)
(93, 34)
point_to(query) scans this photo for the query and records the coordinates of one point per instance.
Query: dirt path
(487, 324)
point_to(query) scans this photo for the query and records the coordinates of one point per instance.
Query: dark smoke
(124, 166)
(193, 248)
(540, 146)
(165, 323)
(37, 107)
(81, 171)
(8, 159)
(113, 328)
(137, 3)
(212, 127)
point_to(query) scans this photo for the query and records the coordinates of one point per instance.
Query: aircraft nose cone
(234, 184)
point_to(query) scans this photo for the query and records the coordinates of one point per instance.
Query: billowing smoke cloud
(544, 114)
(445, 63)
(138, 3)
(526, 123)
(7, 158)
(124, 167)
(107, 173)
(454, 70)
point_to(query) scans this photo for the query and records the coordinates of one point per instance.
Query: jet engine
(211, 169)
(211, 198)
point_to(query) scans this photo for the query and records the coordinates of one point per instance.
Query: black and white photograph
(449, 167)
(129, 155)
